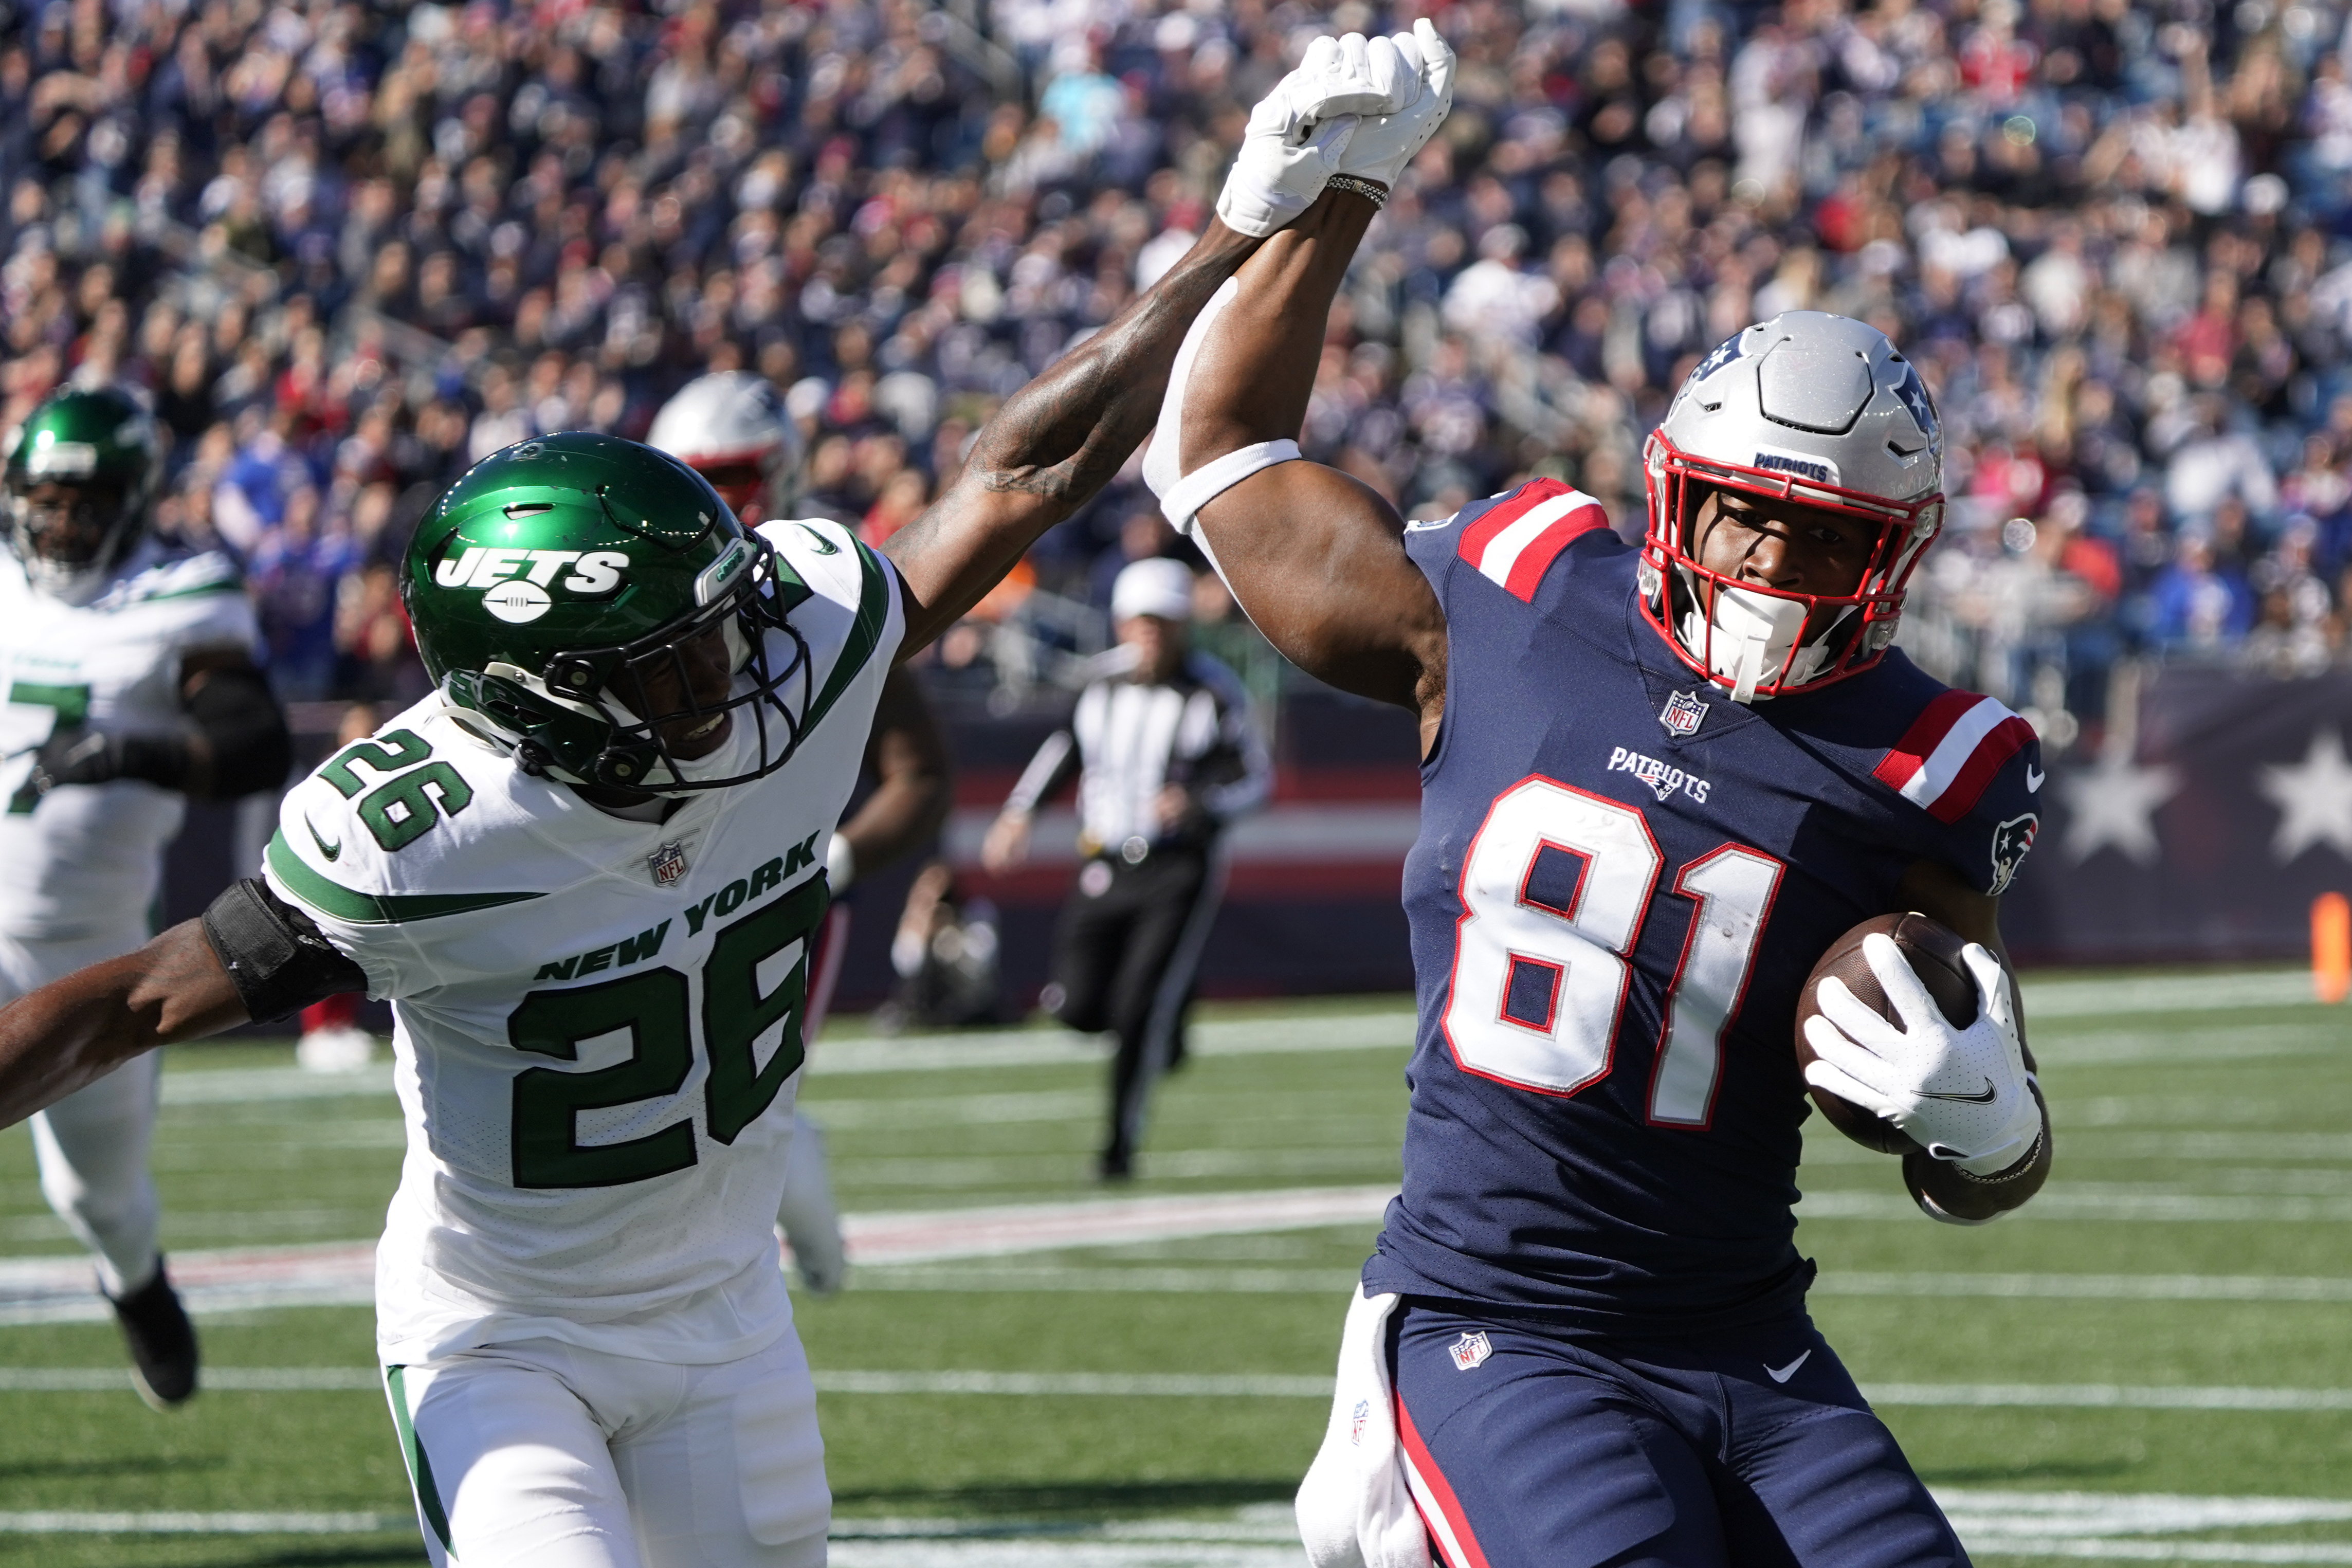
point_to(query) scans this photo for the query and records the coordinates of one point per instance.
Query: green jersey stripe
(873, 615)
(372, 908)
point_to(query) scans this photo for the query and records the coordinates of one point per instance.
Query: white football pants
(92, 1145)
(543, 1455)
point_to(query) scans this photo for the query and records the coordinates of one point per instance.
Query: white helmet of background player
(1812, 408)
(733, 429)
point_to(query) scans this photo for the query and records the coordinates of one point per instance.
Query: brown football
(1934, 949)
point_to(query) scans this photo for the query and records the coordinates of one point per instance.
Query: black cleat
(1114, 1166)
(161, 1341)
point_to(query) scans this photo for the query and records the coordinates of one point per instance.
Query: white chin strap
(1751, 636)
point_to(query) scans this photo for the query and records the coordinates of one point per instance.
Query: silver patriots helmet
(1808, 408)
(732, 427)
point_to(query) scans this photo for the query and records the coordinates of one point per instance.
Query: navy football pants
(1529, 1449)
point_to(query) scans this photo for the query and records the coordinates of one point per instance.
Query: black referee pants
(1125, 953)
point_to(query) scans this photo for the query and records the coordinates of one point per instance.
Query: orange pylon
(2331, 947)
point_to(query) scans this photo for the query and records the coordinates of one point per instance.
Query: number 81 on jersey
(1555, 886)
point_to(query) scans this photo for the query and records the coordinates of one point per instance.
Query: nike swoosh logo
(2033, 777)
(1783, 1373)
(819, 543)
(330, 850)
(1428, 524)
(1987, 1098)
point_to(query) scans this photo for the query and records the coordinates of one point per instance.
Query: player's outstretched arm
(1055, 444)
(1316, 557)
(76, 1030)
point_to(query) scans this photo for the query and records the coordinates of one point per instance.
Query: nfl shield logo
(1471, 1351)
(667, 864)
(1682, 714)
(1363, 1413)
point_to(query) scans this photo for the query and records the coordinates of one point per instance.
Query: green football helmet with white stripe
(80, 472)
(567, 590)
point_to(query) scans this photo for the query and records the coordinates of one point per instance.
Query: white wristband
(840, 864)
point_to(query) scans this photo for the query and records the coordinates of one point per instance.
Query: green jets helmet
(591, 605)
(80, 471)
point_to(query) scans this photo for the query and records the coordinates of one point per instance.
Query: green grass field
(2152, 1364)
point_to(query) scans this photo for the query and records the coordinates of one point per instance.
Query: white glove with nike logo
(1298, 132)
(1963, 1094)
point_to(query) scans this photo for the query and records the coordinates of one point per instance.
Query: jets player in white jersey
(127, 669)
(732, 427)
(584, 871)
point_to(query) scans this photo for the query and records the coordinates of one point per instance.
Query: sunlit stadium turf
(2194, 1239)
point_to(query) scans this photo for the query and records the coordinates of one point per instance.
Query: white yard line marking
(223, 1379)
(2084, 1201)
(2130, 1513)
(2161, 1550)
(2104, 1397)
(1250, 1385)
(2168, 994)
(61, 1521)
(2092, 1286)
(229, 1086)
(938, 1235)
(1176, 1281)
(58, 1288)
(1080, 1384)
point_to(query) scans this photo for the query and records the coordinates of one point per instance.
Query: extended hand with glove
(1964, 1095)
(1355, 106)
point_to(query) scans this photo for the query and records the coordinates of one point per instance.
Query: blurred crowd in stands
(350, 247)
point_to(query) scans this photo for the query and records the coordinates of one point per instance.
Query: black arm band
(246, 729)
(274, 955)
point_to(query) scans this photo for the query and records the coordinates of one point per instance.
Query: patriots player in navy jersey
(1658, 784)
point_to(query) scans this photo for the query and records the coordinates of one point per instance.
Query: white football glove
(1298, 132)
(1389, 137)
(1961, 1093)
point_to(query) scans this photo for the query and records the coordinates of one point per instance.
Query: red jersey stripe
(1926, 733)
(1968, 787)
(1503, 513)
(1527, 572)
(1457, 1523)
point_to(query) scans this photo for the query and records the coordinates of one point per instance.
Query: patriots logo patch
(2011, 840)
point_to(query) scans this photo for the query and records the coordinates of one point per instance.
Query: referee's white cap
(1156, 587)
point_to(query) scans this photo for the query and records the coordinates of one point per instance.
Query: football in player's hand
(1934, 951)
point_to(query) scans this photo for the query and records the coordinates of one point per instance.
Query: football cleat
(1808, 409)
(162, 1342)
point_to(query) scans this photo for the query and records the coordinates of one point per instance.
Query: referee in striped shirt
(1165, 756)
